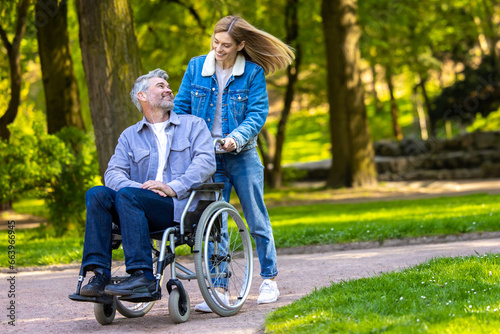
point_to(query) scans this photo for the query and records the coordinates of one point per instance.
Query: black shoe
(135, 283)
(96, 285)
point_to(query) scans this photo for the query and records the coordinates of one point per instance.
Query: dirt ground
(42, 304)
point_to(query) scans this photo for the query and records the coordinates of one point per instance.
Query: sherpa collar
(209, 65)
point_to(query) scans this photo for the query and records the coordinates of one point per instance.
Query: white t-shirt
(222, 78)
(161, 140)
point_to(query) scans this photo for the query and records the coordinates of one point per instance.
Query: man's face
(159, 94)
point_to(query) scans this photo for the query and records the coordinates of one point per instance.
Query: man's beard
(164, 105)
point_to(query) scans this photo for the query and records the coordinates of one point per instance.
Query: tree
(14, 55)
(112, 63)
(272, 157)
(352, 152)
(59, 81)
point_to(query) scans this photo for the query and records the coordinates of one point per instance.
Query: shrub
(58, 168)
(66, 197)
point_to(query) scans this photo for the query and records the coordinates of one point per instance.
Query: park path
(42, 304)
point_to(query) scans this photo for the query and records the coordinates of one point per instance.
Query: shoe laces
(99, 279)
(267, 287)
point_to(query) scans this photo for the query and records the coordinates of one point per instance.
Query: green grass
(445, 295)
(336, 223)
(39, 247)
(31, 206)
(312, 224)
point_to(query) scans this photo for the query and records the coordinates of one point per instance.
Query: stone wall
(468, 156)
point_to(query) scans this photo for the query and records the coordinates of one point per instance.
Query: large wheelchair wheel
(223, 258)
(105, 313)
(129, 309)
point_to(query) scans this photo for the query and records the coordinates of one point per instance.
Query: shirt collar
(209, 65)
(173, 119)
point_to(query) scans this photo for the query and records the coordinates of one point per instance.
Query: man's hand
(229, 144)
(159, 187)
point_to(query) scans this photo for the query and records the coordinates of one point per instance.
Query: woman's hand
(159, 187)
(229, 144)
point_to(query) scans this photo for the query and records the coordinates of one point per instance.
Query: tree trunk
(427, 103)
(292, 25)
(111, 61)
(352, 151)
(59, 81)
(265, 142)
(396, 129)
(13, 53)
(376, 100)
(420, 116)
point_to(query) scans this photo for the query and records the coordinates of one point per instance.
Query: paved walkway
(42, 305)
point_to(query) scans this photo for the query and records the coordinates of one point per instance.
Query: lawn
(313, 224)
(443, 295)
(337, 223)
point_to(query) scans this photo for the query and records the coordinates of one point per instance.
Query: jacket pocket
(180, 156)
(139, 165)
(238, 102)
(198, 98)
(138, 154)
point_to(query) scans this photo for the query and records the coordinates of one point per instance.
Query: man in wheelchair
(155, 163)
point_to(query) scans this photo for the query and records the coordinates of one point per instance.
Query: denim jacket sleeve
(202, 165)
(256, 113)
(117, 176)
(182, 102)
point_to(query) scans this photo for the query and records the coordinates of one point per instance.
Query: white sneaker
(268, 292)
(203, 307)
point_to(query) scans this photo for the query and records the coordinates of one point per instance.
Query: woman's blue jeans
(137, 212)
(245, 172)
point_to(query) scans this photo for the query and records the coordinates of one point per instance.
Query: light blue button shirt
(190, 157)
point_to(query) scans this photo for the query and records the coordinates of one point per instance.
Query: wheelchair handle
(218, 141)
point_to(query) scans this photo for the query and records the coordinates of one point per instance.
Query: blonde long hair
(260, 47)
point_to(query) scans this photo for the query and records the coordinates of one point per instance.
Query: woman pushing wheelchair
(227, 88)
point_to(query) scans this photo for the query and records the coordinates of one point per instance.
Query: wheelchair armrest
(208, 186)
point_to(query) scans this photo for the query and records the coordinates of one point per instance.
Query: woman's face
(225, 47)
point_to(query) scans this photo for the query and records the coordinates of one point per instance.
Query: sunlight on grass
(31, 206)
(336, 223)
(313, 224)
(445, 295)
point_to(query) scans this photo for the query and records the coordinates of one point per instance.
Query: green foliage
(478, 92)
(58, 168)
(66, 198)
(30, 162)
(443, 295)
(489, 123)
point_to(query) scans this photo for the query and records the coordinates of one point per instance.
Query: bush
(58, 168)
(66, 197)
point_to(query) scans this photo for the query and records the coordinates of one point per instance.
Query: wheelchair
(223, 258)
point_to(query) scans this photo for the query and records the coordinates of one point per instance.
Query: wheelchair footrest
(142, 297)
(104, 299)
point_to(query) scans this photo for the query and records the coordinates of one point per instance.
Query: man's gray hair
(142, 84)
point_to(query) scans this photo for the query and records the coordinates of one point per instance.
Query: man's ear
(142, 96)
(241, 45)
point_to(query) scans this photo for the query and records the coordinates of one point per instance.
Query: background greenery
(443, 295)
(311, 224)
(436, 55)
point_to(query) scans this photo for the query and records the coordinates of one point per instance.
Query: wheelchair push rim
(223, 262)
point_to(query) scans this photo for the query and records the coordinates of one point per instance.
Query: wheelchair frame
(223, 258)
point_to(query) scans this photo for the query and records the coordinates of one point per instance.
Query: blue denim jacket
(190, 157)
(244, 102)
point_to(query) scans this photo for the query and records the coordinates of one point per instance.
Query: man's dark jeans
(137, 212)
